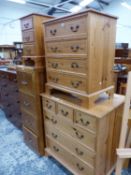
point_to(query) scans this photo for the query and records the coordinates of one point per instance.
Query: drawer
(32, 50)
(85, 120)
(49, 105)
(72, 47)
(27, 23)
(31, 139)
(69, 143)
(28, 36)
(75, 82)
(25, 81)
(78, 166)
(50, 117)
(28, 103)
(72, 65)
(29, 121)
(65, 111)
(76, 26)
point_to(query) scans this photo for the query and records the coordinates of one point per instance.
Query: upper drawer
(25, 81)
(49, 105)
(27, 23)
(85, 120)
(72, 65)
(72, 47)
(28, 36)
(69, 27)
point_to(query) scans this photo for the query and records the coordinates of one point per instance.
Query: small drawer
(73, 47)
(27, 23)
(29, 121)
(69, 27)
(31, 139)
(25, 81)
(28, 36)
(64, 111)
(49, 105)
(85, 120)
(28, 103)
(32, 50)
(72, 65)
(50, 118)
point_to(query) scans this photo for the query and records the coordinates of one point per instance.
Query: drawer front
(73, 27)
(28, 36)
(84, 120)
(28, 103)
(30, 139)
(74, 47)
(75, 82)
(25, 81)
(82, 136)
(70, 143)
(29, 50)
(27, 23)
(49, 105)
(50, 118)
(77, 165)
(65, 111)
(29, 122)
(67, 65)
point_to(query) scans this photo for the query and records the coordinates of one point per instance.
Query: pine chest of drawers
(79, 51)
(83, 140)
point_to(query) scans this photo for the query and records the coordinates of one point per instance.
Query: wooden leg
(119, 166)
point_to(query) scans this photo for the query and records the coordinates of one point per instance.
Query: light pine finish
(121, 152)
(93, 140)
(86, 39)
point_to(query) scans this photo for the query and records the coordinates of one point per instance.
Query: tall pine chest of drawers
(79, 51)
(31, 80)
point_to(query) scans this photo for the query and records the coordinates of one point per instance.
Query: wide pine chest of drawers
(79, 51)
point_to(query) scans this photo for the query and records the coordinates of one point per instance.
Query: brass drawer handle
(54, 121)
(27, 104)
(54, 135)
(47, 117)
(26, 25)
(78, 134)
(74, 29)
(54, 49)
(76, 84)
(49, 106)
(83, 123)
(53, 32)
(27, 38)
(79, 167)
(65, 113)
(56, 149)
(74, 65)
(24, 82)
(54, 79)
(80, 153)
(54, 65)
(75, 48)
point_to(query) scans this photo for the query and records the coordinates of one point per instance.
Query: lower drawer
(77, 166)
(29, 121)
(31, 139)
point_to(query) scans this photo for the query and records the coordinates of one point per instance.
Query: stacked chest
(79, 51)
(82, 140)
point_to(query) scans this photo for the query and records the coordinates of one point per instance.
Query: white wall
(123, 23)
(9, 11)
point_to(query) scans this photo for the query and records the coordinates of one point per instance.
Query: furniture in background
(31, 80)
(9, 96)
(82, 116)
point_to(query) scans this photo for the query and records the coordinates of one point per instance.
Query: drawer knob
(76, 83)
(56, 149)
(27, 104)
(53, 32)
(80, 153)
(65, 113)
(74, 65)
(74, 29)
(24, 82)
(54, 49)
(75, 48)
(83, 123)
(78, 134)
(54, 65)
(81, 168)
(54, 135)
(26, 25)
(54, 121)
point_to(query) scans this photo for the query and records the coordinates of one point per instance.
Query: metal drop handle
(74, 28)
